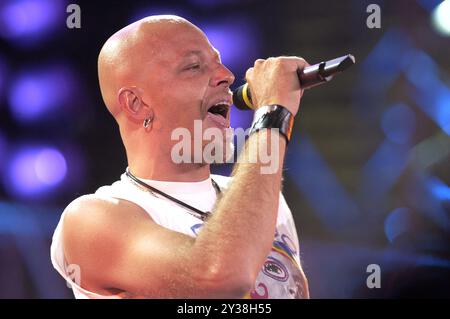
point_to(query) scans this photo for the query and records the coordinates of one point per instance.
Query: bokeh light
(33, 171)
(398, 222)
(241, 34)
(439, 189)
(50, 167)
(441, 18)
(28, 21)
(35, 93)
(420, 69)
(3, 75)
(3, 152)
(398, 123)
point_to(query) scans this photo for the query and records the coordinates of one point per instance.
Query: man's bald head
(127, 55)
(157, 76)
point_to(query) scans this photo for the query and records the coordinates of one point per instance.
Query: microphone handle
(309, 77)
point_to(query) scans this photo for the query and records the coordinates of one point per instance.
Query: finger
(248, 74)
(299, 61)
(259, 61)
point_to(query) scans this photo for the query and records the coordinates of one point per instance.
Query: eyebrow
(192, 52)
(200, 53)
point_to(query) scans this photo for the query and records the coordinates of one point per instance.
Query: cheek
(181, 102)
(180, 120)
(186, 112)
(191, 94)
(178, 112)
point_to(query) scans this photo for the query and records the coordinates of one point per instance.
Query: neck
(156, 163)
(166, 170)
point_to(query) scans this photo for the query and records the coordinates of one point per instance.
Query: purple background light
(30, 19)
(240, 118)
(3, 75)
(50, 167)
(236, 40)
(33, 171)
(3, 152)
(35, 93)
(76, 167)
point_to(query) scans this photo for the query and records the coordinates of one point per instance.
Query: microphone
(309, 77)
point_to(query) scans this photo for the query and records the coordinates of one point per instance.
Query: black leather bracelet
(273, 116)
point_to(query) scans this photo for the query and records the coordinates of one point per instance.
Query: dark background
(367, 170)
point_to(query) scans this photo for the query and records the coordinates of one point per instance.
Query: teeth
(227, 103)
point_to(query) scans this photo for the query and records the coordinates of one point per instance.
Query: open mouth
(220, 108)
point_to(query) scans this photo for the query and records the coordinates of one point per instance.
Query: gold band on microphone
(245, 97)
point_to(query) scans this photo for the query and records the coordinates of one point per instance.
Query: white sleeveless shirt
(281, 275)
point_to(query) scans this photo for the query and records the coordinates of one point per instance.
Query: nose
(222, 75)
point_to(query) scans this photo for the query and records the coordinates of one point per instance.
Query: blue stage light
(50, 166)
(30, 20)
(420, 69)
(33, 171)
(431, 94)
(429, 4)
(398, 222)
(35, 93)
(443, 109)
(439, 189)
(398, 123)
(240, 119)
(320, 186)
(435, 102)
(3, 75)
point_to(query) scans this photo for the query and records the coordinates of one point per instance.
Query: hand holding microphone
(305, 77)
(275, 81)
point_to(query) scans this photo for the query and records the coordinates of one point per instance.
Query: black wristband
(273, 116)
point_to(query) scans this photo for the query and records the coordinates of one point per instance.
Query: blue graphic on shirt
(195, 228)
(281, 275)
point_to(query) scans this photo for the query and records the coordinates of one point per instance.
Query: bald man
(167, 229)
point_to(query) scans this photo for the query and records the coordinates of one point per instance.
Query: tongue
(219, 119)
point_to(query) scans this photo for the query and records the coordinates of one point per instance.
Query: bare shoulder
(95, 230)
(101, 213)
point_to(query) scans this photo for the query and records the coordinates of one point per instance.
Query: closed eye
(193, 67)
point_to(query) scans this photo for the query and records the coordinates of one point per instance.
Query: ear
(131, 102)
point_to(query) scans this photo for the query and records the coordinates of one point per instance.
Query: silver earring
(147, 122)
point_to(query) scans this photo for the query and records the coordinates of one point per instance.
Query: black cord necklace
(193, 211)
